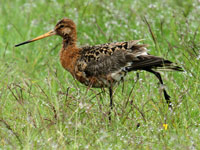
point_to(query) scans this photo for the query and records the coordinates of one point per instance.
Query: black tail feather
(153, 62)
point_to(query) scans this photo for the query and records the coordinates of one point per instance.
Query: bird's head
(65, 28)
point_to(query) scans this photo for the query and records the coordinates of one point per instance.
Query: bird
(104, 65)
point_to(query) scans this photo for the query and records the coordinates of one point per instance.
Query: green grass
(43, 107)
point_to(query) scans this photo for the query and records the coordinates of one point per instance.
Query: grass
(43, 107)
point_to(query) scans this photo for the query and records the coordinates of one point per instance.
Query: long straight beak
(50, 33)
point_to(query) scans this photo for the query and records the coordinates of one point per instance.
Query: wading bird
(104, 65)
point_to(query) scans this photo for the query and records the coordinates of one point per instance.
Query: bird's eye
(61, 26)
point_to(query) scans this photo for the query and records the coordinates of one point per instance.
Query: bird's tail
(171, 67)
(154, 63)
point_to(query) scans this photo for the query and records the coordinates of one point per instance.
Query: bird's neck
(69, 54)
(69, 41)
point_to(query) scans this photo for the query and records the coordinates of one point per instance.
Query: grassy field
(43, 107)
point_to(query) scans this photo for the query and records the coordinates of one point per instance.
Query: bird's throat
(69, 41)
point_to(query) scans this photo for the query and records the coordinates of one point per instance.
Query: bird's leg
(111, 102)
(167, 97)
(138, 76)
(111, 98)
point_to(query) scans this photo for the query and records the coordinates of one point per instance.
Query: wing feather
(111, 57)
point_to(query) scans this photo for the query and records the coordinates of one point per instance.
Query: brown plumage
(104, 65)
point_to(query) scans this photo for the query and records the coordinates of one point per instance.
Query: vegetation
(43, 107)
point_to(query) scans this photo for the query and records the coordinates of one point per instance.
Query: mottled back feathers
(89, 53)
(104, 59)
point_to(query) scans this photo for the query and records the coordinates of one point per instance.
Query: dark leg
(167, 97)
(111, 102)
